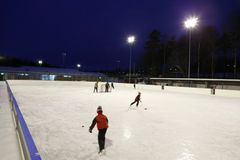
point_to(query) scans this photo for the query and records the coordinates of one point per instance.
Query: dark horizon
(94, 33)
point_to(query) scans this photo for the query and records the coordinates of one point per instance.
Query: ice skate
(102, 152)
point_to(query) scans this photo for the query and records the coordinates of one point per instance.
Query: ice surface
(179, 123)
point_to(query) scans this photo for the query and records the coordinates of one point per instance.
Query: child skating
(137, 99)
(102, 125)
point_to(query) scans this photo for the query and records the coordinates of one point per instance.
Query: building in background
(45, 73)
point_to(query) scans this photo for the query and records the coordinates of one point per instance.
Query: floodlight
(40, 62)
(191, 22)
(131, 39)
(78, 65)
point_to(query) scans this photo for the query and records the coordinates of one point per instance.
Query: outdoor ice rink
(179, 123)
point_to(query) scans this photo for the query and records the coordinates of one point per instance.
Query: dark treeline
(214, 54)
(16, 62)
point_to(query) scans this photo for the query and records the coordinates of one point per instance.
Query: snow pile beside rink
(178, 124)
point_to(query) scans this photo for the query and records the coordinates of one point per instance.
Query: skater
(102, 125)
(137, 99)
(95, 87)
(112, 85)
(134, 84)
(107, 87)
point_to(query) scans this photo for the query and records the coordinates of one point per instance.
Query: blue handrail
(32, 149)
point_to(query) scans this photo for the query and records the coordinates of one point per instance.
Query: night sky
(93, 33)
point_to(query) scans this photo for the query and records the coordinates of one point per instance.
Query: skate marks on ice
(94, 155)
(132, 108)
(90, 156)
(108, 143)
(140, 107)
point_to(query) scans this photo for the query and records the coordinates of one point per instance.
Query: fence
(232, 84)
(28, 146)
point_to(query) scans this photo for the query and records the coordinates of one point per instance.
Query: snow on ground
(179, 123)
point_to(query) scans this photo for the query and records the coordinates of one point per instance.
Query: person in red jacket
(137, 99)
(102, 125)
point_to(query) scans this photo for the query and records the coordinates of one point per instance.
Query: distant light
(131, 39)
(78, 65)
(26, 74)
(191, 22)
(2, 74)
(67, 76)
(40, 62)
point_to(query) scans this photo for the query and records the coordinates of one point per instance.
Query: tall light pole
(235, 63)
(190, 23)
(198, 68)
(118, 65)
(130, 40)
(64, 54)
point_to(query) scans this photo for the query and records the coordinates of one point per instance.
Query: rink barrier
(227, 84)
(28, 146)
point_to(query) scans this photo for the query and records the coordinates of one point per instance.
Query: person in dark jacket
(102, 125)
(134, 84)
(137, 99)
(107, 86)
(112, 85)
(95, 87)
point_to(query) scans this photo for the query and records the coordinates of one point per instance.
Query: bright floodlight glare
(191, 22)
(131, 39)
(40, 62)
(78, 65)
